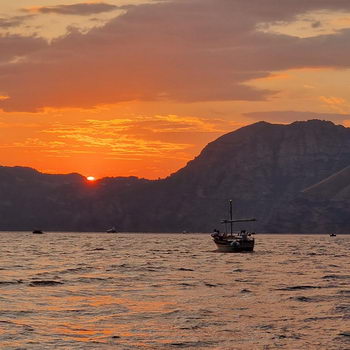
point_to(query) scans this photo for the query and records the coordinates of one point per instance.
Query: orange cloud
(336, 103)
(96, 142)
(333, 100)
(275, 77)
(81, 9)
(166, 51)
(127, 137)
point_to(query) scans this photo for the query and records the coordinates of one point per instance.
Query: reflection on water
(152, 291)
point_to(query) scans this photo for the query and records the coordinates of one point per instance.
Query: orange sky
(121, 88)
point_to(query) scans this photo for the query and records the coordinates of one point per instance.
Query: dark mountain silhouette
(292, 178)
(325, 206)
(335, 187)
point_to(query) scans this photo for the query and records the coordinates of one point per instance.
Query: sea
(173, 291)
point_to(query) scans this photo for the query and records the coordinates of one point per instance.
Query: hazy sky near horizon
(131, 87)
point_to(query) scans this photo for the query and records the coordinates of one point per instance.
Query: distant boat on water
(112, 230)
(234, 242)
(38, 232)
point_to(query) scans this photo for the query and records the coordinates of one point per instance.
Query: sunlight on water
(152, 291)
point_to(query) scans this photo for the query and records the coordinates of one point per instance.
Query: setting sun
(91, 178)
(157, 117)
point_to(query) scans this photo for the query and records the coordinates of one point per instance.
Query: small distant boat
(332, 235)
(38, 232)
(234, 242)
(111, 230)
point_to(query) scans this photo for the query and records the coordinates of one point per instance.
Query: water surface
(173, 291)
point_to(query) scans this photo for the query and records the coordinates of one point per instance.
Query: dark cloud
(184, 50)
(14, 47)
(82, 9)
(316, 24)
(15, 21)
(291, 116)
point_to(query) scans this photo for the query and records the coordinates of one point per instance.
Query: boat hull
(231, 246)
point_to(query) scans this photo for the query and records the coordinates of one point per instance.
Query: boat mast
(231, 215)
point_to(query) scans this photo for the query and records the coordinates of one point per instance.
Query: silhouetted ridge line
(264, 168)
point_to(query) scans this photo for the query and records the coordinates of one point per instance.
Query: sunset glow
(139, 87)
(90, 178)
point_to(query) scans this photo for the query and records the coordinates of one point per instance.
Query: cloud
(144, 126)
(116, 137)
(13, 48)
(184, 50)
(291, 116)
(338, 104)
(160, 136)
(333, 100)
(316, 24)
(81, 9)
(15, 21)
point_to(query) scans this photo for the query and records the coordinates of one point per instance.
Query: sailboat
(234, 242)
(111, 230)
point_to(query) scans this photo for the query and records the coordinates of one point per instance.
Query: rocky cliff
(287, 176)
(262, 168)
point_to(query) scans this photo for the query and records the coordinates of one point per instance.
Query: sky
(138, 88)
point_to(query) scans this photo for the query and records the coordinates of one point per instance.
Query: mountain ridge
(264, 168)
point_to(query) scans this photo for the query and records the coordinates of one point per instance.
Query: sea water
(173, 291)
